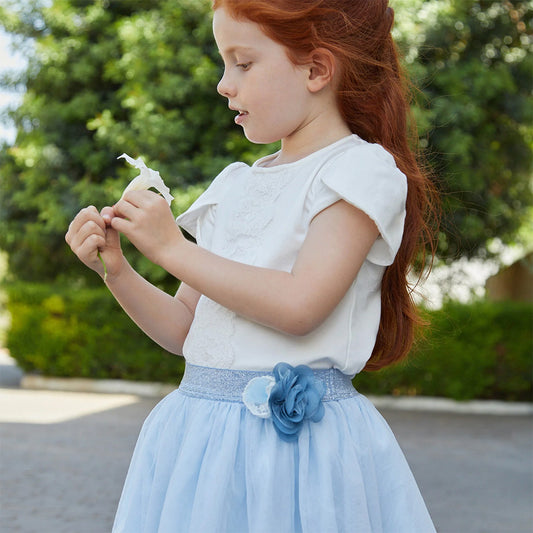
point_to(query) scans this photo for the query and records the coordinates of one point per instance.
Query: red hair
(373, 98)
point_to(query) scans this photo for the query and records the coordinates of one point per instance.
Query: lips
(241, 114)
(240, 117)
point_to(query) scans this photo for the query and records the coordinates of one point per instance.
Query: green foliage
(82, 333)
(106, 77)
(139, 76)
(479, 350)
(482, 350)
(473, 61)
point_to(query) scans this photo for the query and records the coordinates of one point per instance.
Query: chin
(261, 139)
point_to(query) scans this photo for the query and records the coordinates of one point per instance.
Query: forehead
(232, 34)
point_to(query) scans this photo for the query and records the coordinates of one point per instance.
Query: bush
(480, 350)
(59, 331)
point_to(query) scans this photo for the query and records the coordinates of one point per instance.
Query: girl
(297, 282)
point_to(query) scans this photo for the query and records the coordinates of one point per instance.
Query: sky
(9, 59)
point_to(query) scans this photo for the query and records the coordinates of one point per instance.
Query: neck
(321, 131)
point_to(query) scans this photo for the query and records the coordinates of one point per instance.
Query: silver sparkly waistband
(228, 385)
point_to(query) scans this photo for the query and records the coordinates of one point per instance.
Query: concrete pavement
(64, 455)
(63, 463)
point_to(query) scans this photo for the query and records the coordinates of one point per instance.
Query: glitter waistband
(228, 385)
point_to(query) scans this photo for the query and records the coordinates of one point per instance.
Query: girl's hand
(147, 221)
(89, 234)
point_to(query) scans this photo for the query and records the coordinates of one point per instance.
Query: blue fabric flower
(295, 397)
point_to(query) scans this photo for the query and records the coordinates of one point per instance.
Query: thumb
(112, 237)
(107, 214)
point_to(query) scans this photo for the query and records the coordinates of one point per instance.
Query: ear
(322, 67)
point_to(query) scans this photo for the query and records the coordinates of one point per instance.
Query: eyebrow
(237, 48)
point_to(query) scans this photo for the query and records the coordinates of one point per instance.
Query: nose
(225, 87)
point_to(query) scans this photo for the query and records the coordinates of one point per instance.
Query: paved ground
(64, 455)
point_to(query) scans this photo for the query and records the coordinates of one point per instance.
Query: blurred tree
(473, 61)
(139, 76)
(105, 77)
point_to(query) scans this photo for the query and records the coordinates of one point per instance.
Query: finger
(139, 198)
(74, 226)
(83, 222)
(89, 248)
(124, 209)
(112, 239)
(107, 214)
(86, 214)
(92, 244)
(89, 228)
(121, 225)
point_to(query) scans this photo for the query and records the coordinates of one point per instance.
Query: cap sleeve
(199, 218)
(367, 177)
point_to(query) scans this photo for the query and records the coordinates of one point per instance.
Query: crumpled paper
(147, 179)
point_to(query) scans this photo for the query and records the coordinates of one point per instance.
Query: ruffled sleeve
(199, 219)
(366, 176)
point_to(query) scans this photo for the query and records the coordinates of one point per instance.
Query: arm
(164, 318)
(295, 302)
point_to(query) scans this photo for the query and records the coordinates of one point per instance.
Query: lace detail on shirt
(209, 341)
(253, 212)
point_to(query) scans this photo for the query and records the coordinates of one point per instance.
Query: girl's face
(262, 85)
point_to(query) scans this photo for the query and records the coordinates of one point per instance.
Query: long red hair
(373, 97)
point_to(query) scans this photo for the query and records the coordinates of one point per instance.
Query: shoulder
(212, 196)
(222, 182)
(227, 175)
(358, 169)
(364, 175)
(357, 157)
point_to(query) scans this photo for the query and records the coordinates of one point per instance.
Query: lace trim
(253, 213)
(209, 341)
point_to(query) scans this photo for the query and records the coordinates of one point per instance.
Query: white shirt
(260, 215)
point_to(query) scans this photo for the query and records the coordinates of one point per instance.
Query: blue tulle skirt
(205, 464)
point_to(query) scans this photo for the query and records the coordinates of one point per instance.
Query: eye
(243, 66)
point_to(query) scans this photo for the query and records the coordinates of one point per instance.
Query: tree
(139, 76)
(106, 77)
(472, 59)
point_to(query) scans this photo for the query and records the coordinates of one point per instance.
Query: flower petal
(256, 395)
(147, 179)
(295, 397)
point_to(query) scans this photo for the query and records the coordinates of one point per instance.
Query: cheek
(279, 95)
(276, 82)
(292, 89)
